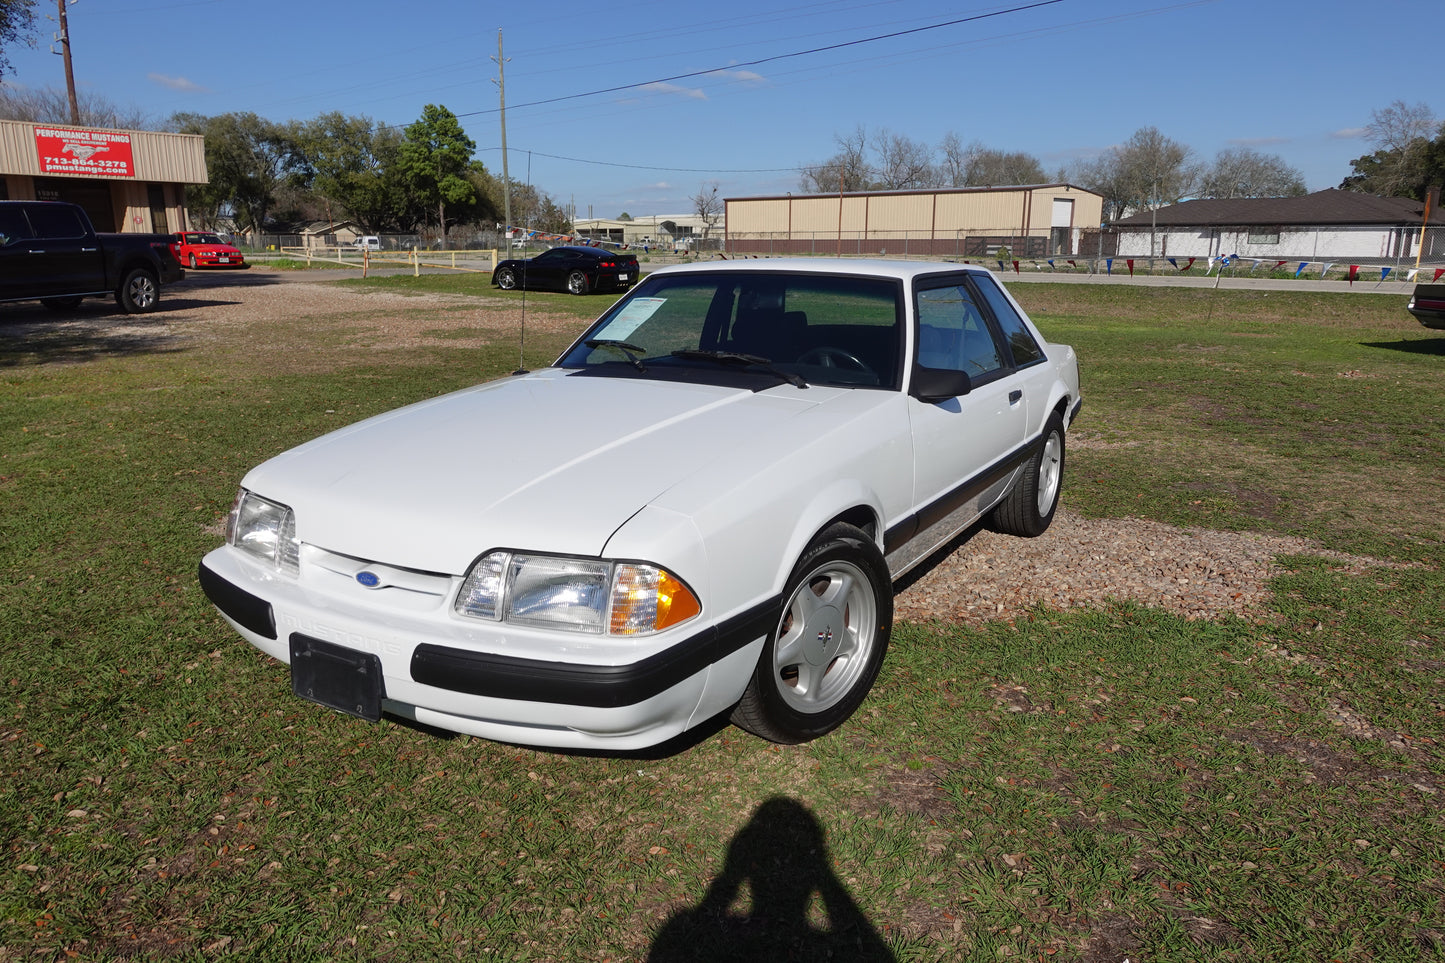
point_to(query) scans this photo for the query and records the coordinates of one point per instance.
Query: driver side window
(953, 335)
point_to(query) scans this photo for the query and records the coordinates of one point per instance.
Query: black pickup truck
(50, 252)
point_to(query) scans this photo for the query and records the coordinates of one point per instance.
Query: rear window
(56, 222)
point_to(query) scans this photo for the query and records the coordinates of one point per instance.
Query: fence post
(416, 262)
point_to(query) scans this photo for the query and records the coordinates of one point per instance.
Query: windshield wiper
(631, 350)
(739, 358)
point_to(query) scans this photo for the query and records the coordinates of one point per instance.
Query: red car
(204, 249)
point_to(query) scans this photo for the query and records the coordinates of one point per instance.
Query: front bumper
(449, 673)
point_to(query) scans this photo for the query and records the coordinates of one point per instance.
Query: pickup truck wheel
(61, 304)
(1028, 509)
(138, 292)
(820, 662)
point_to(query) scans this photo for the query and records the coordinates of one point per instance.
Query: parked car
(50, 252)
(699, 508)
(205, 249)
(368, 243)
(573, 268)
(1427, 304)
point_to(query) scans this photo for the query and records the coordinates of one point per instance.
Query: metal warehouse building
(1041, 220)
(127, 180)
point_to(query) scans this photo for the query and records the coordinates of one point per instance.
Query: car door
(73, 262)
(966, 446)
(15, 269)
(1031, 375)
(548, 270)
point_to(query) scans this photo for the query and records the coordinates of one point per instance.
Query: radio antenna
(522, 335)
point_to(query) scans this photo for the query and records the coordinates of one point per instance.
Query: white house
(1324, 226)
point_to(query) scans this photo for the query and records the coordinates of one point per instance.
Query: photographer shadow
(782, 859)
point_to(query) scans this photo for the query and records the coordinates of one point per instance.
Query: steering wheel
(831, 357)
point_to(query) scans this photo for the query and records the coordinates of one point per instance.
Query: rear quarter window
(1020, 339)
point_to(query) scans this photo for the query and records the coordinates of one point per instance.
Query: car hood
(550, 462)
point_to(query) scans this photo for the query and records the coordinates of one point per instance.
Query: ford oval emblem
(369, 579)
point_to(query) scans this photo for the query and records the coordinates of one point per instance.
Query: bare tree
(846, 170)
(708, 207)
(903, 163)
(1403, 160)
(1241, 172)
(1146, 172)
(1398, 126)
(51, 105)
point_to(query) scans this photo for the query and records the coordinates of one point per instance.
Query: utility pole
(63, 38)
(506, 178)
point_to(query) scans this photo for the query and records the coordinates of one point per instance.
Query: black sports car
(575, 269)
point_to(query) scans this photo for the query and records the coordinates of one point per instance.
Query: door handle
(1014, 396)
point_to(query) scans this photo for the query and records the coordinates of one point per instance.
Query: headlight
(266, 530)
(576, 594)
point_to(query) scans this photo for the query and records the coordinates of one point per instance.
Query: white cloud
(1349, 133)
(1258, 141)
(178, 83)
(742, 76)
(662, 88)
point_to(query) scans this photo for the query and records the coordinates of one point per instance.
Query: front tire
(506, 279)
(193, 262)
(138, 292)
(829, 644)
(1028, 509)
(577, 283)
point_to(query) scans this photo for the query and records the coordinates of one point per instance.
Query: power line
(765, 60)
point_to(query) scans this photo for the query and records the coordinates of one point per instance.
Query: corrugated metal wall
(163, 157)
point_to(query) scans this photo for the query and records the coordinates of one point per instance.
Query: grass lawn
(1085, 786)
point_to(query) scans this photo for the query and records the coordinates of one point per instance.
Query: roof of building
(991, 189)
(1328, 207)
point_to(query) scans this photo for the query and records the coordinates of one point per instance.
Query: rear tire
(1028, 509)
(820, 662)
(577, 283)
(138, 292)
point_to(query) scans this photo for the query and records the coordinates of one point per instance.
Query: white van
(368, 243)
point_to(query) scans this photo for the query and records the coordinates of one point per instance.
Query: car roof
(582, 248)
(871, 267)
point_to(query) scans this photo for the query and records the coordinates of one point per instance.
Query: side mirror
(931, 385)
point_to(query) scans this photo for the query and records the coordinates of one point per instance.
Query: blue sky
(723, 93)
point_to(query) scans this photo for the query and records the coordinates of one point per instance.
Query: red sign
(65, 150)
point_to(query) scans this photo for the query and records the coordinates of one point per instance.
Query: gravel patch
(1088, 562)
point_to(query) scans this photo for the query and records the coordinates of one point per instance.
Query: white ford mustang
(699, 508)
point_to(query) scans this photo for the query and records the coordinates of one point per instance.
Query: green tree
(248, 159)
(433, 161)
(1409, 154)
(17, 22)
(353, 164)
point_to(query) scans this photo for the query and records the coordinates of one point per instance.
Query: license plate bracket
(337, 677)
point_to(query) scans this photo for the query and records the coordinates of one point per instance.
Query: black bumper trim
(595, 686)
(237, 604)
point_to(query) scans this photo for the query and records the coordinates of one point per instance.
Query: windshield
(203, 239)
(825, 328)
